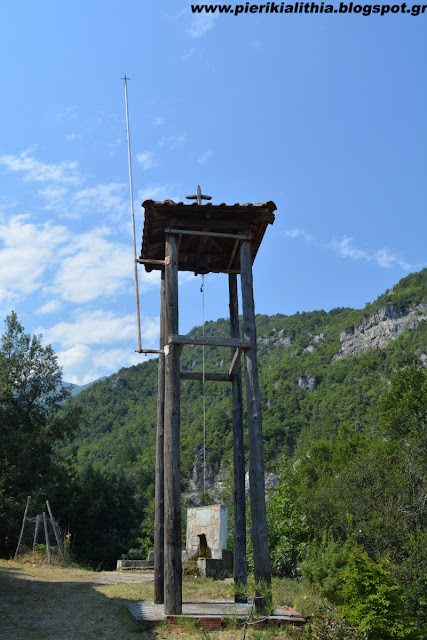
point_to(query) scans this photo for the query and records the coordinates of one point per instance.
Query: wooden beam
(213, 234)
(262, 568)
(235, 361)
(209, 377)
(159, 502)
(240, 571)
(233, 253)
(150, 351)
(150, 261)
(173, 567)
(27, 506)
(210, 341)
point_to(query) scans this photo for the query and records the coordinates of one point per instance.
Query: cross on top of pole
(199, 196)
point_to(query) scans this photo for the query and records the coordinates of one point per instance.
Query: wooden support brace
(233, 253)
(160, 351)
(209, 377)
(212, 234)
(210, 341)
(150, 261)
(235, 361)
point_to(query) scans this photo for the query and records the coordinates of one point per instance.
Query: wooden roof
(224, 222)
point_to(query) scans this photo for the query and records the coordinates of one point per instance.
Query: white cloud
(96, 267)
(100, 327)
(93, 266)
(64, 172)
(159, 121)
(173, 142)
(205, 156)
(298, 233)
(54, 193)
(69, 113)
(104, 198)
(201, 24)
(146, 160)
(27, 251)
(107, 199)
(50, 307)
(83, 362)
(159, 192)
(345, 248)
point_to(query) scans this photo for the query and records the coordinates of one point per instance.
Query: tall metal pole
(135, 264)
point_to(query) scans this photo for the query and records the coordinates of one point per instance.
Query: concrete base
(212, 613)
(214, 567)
(134, 565)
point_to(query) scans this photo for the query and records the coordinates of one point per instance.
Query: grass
(42, 602)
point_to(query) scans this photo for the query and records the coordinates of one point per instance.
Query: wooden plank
(21, 535)
(240, 572)
(235, 361)
(173, 567)
(160, 351)
(213, 234)
(37, 530)
(150, 261)
(56, 532)
(233, 253)
(262, 568)
(210, 341)
(159, 503)
(209, 377)
(46, 535)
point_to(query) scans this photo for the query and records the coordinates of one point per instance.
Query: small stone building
(207, 540)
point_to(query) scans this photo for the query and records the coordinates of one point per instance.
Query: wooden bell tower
(205, 238)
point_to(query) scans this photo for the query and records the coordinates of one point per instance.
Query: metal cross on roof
(199, 196)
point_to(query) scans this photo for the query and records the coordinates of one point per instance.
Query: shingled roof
(220, 252)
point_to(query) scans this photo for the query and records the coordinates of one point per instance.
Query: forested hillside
(309, 389)
(344, 399)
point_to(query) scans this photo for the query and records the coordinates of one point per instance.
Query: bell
(202, 266)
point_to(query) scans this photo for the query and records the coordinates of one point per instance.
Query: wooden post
(262, 567)
(173, 567)
(159, 516)
(46, 535)
(56, 532)
(36, 532)
(240, 573)
(21, 535)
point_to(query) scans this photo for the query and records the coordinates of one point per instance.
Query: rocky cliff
(383, 325)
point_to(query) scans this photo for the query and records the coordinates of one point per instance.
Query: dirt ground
(42, 602)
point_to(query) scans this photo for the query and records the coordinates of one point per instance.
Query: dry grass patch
(41, 602)
(54, 603)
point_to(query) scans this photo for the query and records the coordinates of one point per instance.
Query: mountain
(319, 371)
(76, 388)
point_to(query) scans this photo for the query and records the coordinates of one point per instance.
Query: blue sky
(323, 114)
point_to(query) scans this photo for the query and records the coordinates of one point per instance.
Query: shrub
(373, 600)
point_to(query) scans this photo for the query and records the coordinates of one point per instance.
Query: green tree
(287, 526)
(373, 600)
(31, 393)
(403, 409)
